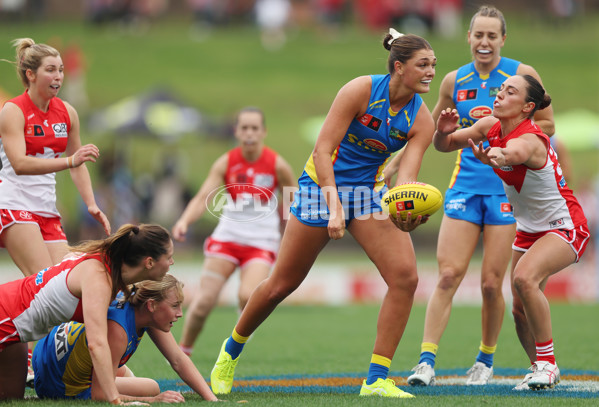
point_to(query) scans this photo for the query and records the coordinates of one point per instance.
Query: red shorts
(237, 254)
(577, 238)
(50, 228)
(8, 332)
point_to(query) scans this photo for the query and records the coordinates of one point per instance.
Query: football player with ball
(341, 188)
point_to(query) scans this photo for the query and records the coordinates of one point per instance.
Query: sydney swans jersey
(370, 140)
(62, 362)
(46, 136)
(249, 208)
(37, 303)
(541, 198)
(473, 97)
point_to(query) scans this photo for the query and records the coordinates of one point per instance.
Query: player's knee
(406, 281)
(491, 288)
(522, 284)
(449, 278)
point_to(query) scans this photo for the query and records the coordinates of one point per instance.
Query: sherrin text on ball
(416, 197)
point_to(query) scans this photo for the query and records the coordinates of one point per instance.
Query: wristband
(70, 161)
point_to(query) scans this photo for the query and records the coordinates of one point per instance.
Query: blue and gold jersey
(473, 96)
(61, 360)
(370, 139)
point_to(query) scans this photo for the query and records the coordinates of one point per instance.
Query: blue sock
(233, 347)
(428, 358)
(486, 358)
(376, 371)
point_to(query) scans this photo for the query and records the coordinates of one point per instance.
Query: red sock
(545, 351)
(29, 355)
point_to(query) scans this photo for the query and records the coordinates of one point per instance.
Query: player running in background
(551, 231)
(340, 188)
(36, 128)
(80, 288)
(249, 229)
(475, 202)
(153, 307)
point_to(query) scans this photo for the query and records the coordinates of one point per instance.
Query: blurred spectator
(170, 196)
(272, 17)
(73, 89)
(330, 14)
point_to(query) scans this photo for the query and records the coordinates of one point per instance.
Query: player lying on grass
(62, 362)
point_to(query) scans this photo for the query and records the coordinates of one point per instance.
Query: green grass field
(306, 342)
(298, 83)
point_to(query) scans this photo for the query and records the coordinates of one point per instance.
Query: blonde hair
(147, 290)
(29, 56)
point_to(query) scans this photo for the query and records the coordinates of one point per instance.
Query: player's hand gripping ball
(415, 197)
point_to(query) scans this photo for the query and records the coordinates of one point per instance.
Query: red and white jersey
(46, 136)
(250, 216)
(541, 198)
(37, 303)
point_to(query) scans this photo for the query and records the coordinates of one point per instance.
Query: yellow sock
(238, 338)
(429, 347)
(380, 360)
(489, 350)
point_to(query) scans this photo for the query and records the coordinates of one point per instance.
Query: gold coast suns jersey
(370, 140)
(473, 97)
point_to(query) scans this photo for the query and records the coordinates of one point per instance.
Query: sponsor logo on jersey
(493, 91)
(479, 112)
(60, 129)
(507, 168)
(398, 134)
(34, 130)
(46, 123)
(375, 144)
(370, 121)
(31, 116)
(483, 85)
(379, 148)
(556, 224)
(25, 215)
(467, 94)
(505, 207)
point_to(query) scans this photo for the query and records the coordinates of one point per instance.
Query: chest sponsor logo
(375, 144)
(370, 121)
(467, 94)
(556, 224)
(493, 91)
(34, 130)
(60, 130)
(398, 134)
(483, 85)
(505, 207)
(479, 112)
(507, 168)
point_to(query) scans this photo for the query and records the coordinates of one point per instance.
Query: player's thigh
(252, 274)
(218, 266)
(389, 248)
(57, 251)
(547, 256)
(300, 247)
(26, 246)
(13, 371)
(497, 248)
(456, 243)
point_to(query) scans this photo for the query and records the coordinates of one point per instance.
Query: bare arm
(450, 137)
(80, 174)
(445, 95)
(350, 102)
(528, 149)
(543, 118)
(181, 363)
(198, 204)
(90, 280)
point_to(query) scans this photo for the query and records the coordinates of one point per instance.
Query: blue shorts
(310, 207)
(479, 209)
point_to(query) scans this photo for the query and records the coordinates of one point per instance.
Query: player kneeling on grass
(62, 363)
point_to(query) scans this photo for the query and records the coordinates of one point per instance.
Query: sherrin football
(415, 197)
